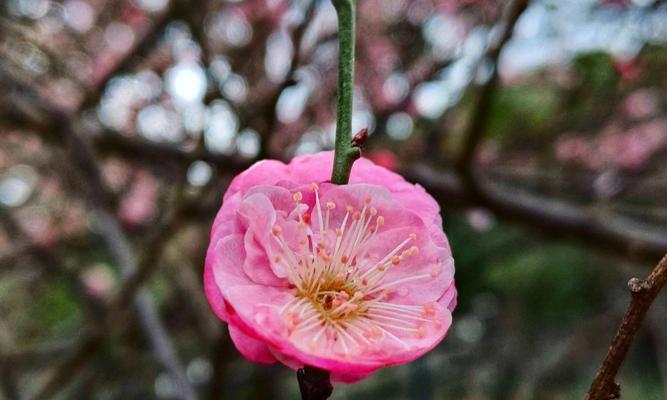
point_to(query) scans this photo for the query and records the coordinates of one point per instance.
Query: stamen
(319, 208)
(341, 294)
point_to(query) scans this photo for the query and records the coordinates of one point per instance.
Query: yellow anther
(331, 205)
(421, 332)
(277, 230)
(411, 251)
(351, 307)
(298, 196)
(358, 295)
(429, 310)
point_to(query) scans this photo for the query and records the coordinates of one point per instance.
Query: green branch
(345, 151)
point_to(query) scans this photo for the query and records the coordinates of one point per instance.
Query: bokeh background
(541, 128)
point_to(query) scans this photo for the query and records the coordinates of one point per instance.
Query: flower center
(339, 295)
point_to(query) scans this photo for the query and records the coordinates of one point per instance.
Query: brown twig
(643, 292)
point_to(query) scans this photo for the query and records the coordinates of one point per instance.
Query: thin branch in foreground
(644, 292)
(345, 153)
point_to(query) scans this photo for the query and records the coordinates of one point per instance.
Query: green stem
(345, 152)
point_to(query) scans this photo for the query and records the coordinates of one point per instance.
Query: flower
(384, 158)
(347, 278)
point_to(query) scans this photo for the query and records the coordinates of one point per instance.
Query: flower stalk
(345, 151)
(313, 382)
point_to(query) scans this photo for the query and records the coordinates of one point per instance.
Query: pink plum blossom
(641, 104)
(138, 205)
(347, 278)
(385, 158)
(98, 281)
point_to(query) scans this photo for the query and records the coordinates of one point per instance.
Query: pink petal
(252, 349)
(263, 172)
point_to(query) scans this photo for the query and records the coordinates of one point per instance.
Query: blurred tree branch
(128, 292)
(479, 116)
(270, 105)
(553, 218)
(81, 155)
(140, 49)
(51, 263)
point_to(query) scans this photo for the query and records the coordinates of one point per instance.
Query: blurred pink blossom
(384, 158)
(38, 224)
(574, 150)
(347, 278)
(629, 70)
(116, 173)
(488, 153)
(269, 13)
(98, 281)
(138, 205)
(641, 104)
(480, 220)
(631, 149)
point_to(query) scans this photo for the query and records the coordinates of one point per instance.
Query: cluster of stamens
(340, 291)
